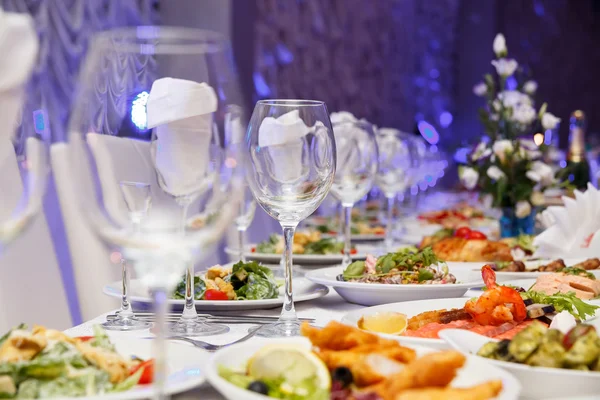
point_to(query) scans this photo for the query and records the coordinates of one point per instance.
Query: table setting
(397, 291)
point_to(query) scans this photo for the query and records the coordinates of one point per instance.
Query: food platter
(369, 294)
(303, 290)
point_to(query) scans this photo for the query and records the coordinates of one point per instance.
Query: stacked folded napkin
(574, 228)
(181, 113)
(19, 47)
(284, 138)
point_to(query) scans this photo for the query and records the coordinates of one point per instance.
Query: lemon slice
(293, 364)
(386, 322)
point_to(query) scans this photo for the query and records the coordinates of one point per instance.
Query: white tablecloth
(325, 309)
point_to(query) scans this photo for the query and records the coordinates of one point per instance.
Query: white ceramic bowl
(474, 372)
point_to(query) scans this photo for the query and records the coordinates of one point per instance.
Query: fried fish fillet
(460, 249)
(440, 316)
(484, 391)
(432, 370)
(337, 336)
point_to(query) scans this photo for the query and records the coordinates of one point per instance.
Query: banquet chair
(117, 159)
(31, 288)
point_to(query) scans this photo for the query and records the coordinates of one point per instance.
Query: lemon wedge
(293, 364)
(386, 322)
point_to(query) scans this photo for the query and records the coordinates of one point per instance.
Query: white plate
(410, 308)
(360, 237)
(303, 290)
(537, 382)
(369, 294)
(186, 367)
(303, 259)
(475, 371)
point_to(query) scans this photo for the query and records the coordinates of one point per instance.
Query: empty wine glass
(356, 168)
(138, 199)
(244, 219)
(147, 110)
(291, 163)
(394, 172)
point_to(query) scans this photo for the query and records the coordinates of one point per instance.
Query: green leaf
(129, 382)
(563, 302)
(425, 275)
(356, 269)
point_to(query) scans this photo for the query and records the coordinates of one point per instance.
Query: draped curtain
(64, 28)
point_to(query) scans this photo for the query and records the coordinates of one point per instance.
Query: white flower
(530, 87)
(537, 198)
(500, 45)
(524, 114)
(541, 173)
(549, 121)
(468, 177)
(522, 209)
(481, 151)
(528, 149)
(480, 89)
(505, 66)
(513, 98)
(494, 117)
(495, 173)
(501, 148)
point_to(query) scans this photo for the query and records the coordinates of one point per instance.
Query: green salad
(303, 244)
(44, 363)
(242, 281)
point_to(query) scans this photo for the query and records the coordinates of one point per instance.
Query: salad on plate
(243, 281)
(307, 243)
(44, 363)
(407, 266)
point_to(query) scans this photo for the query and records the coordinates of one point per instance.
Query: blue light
(428, 132)
(138, 111)
(563, 163)
(511, 83)
(261, 86)
(445, 119)
(461, 155)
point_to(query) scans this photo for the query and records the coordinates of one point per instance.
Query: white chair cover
(31, 288)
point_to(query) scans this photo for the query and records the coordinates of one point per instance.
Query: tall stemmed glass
(244, 219)
(291, 163)
(183, 64)
(137, 196)
(393, 175)
(357, 159)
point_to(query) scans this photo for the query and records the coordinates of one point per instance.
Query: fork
(213, 347)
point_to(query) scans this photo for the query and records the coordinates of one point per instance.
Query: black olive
(343, 375)
(258, 387)
(502, 350)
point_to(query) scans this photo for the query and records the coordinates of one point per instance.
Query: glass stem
(241, 256)
(347, 225)
(189, 311)
(288, 313)
(159, 297)
(126, 311)
(340, 235)
(389, 235)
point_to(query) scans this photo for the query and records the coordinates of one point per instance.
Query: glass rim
(154, 39)
(291, 102)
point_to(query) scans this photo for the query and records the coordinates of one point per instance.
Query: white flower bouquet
(506, 164)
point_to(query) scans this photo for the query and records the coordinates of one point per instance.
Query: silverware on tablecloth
(224, 318)
(209, 346)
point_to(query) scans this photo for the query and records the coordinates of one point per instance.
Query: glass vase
(512, 226)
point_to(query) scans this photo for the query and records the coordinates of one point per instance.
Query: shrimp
(498, 304)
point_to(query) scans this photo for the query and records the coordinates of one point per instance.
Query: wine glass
(147, 110)
(394, 172)
(291, 165)
(137, 196)
(244, 219)
(357, 158)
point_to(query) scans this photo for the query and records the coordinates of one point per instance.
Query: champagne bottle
(577, 170)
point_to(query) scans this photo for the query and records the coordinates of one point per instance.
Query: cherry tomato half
(476, 235)
(212, 294)
(332, 232)
(148, 374)
(84, 338)
(352, 251)
(575, 333)
(462, 232)
(253, 250)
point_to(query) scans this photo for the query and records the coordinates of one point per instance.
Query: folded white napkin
(349, 135)
(284, 138)
(19, 47)
(573, 227)
(181, 113)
